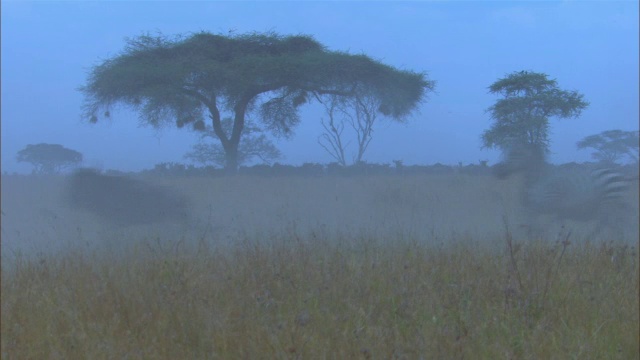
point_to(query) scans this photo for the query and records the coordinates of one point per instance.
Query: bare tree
(362, 120)
(331, 139)
(360, 112)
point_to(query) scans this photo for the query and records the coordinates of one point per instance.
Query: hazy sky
(592, 47)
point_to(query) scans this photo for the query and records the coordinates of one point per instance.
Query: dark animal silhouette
(124, 201)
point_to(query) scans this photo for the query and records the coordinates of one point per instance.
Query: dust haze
(92, 212)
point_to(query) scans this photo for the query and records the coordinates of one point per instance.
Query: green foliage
(48, 158)
(612, 146)
(254, 144)
(183, 78)
(522, 115)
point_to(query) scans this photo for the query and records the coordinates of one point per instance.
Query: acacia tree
(48, 158)
(612, 145)
(182, 79)
(521, 117)
(253, 144)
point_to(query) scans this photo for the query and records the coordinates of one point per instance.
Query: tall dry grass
(385, 267)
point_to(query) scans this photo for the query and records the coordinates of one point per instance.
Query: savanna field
(380, 267)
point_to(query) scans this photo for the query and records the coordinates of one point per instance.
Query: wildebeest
(124, 201)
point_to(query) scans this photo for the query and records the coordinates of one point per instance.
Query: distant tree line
(316, 169)
(361, 169)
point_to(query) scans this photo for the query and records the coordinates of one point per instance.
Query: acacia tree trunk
(231, 159)
(231, 165)
(231, 141)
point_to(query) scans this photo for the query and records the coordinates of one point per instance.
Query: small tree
(49, 158)
(184, 79)
(254, 144)
(360, 113)
(612, 146)
(331, 139)
(521, 117)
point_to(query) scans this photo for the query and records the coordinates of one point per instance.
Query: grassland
(433, 267)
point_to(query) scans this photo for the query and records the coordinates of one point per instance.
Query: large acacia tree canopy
(179, 78)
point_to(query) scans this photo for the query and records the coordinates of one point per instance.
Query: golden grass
(310, 286)
(318, 298)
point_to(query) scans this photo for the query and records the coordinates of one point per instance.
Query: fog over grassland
(459, 50)
(434, 208)
(319, 180)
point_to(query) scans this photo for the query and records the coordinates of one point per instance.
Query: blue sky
(48, 48)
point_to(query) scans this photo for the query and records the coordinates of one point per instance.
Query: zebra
(596, 198)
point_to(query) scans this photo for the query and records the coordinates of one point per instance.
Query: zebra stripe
(599, 196)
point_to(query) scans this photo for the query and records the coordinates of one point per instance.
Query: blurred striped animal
(596, 195)
(124, 201)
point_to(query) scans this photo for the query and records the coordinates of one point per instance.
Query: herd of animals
(600, 195)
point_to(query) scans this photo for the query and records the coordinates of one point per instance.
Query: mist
(139, 241)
